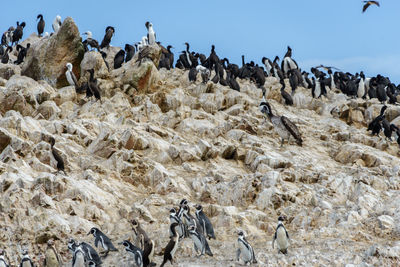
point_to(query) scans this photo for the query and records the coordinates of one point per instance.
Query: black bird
(368, 3)
(107, 37)
(57, 157)
(387, 128)
(5, 58)
(375, 125)
(214, 59)
(119, 59)
(381, 93)
(285, 95)
(171, 247)
(93, 87)
(104, 56)
(40, 25)
(18, 32)
(103, 240)
(129, 52)
(233, 84)
(144, 53)
(293, 80)
(22, 53)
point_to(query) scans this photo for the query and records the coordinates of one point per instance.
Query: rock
(46, 59)
(65, 94)
(228, 152)
(143, 78)
(94, 60)
(386, 222)
(49, 110)
(8, 70)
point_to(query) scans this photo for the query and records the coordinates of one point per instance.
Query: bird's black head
(183, 202)
(263, 60)
(93, 231)
(28, 45)
(281, 218)
(169, 47)
(22, 24)
(40, 16)
(126, 243)
(289, 49)
(135, 222)
(199, 207)
(173, 210)
(147, 24)
(111, 28)
(240, 233)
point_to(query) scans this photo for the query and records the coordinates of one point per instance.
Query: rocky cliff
(155, 138)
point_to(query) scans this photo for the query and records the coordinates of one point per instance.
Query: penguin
(205, 221)
(151, 35)
(40, 25)
(56, 155)
(129, 52)
(282, 125)
(26, 261)
(141, 235)
(56, 23)
(172, 246)
(119, 59)
(281, 236)
(173, 218)
(3, 261)
(21, 53)
(107, 37)
(136, 252)
(375, 125)
(90, 253)
(104, 241)
(52, 258)
(71, 78)
(245, 249)
(18, 32)
(93, 87)
(199, 241)
(90, 41)
(78, 259)
(189, 220)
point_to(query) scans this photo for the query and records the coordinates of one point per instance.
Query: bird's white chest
(281, 238)
(79, 260)
(245, 252)
(69, 78)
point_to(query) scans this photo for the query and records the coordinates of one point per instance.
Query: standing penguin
(136, 252)
(40, 25)
(281, 236)
(52, 259)
(171, 247)
(151, 35)
(180, 228)
(78, 259)
(205, 221)
(199, 241)
(56, 23)
(146, 244)
(3, 262)
(26, 261)
(245, 249)
(105, 242)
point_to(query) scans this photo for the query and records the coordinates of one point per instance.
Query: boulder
(46, 59)
(94, 60)
(8, 70)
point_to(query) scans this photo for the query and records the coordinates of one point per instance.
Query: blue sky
(319, 31)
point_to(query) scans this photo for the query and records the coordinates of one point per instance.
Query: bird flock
(182, 223)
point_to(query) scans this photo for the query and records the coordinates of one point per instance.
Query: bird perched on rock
(119, 59)
(71, 78)
(376, 124)
(56, 155)
(52, 258)
(3, 261)
(107, 37)
(151, 35)
(281, 236)
(245, 249)
(26, 261)
(180, 228)
(136, 252)
(40, 25)
(78, 258)
(56, 23)
(103, 240)
(205, 221)
(199, 241)
(89, 252)
(368, 3)
(90, 41)
(18, 32)
(22, 51)
(93, 88)
(282, 125)
(172, 246)
(145, 52)
(129, 52)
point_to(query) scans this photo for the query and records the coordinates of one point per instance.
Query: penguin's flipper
(238, 254)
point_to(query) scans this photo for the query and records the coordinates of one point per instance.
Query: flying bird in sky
(368, 3)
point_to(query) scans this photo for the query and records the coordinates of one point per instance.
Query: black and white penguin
(145, 243)
(282, 125)
(205, 221)
(180, 228)
(136, 252)
(199, 241)
(189, 219)
(281, 236)
(78, 258)
(172, 246)
(56, 155)
(3, 260)
(18, 32)
(52, 258)
(119, 59)
(376, 124)
(151, 35)
(103, 240)
(245, 249)
(129, 52)
(90, 253)
(107, 37)
(40, 25)
(22, 51)
(93, 88)
(71, 78)
(26, 261)
(90, 41)
(56, 23)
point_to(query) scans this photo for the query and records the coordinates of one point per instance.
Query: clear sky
(329, 32)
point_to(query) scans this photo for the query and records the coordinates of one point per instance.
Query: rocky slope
(155, 138)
